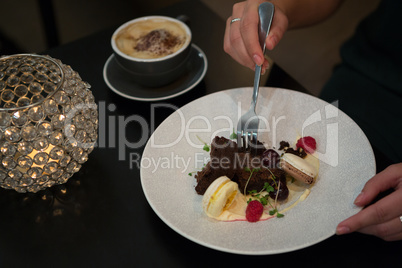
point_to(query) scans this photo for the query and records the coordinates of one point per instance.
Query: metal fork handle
(266, 13)
(257, 77)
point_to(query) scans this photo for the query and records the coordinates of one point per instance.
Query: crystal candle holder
(48, 122)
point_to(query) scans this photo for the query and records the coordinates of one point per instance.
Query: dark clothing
(368, 82)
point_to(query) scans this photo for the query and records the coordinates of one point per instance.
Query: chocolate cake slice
(222, 156)
(227, 160)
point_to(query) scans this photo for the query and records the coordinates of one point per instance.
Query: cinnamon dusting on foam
(153, 38)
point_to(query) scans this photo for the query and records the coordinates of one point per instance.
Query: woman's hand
(241, 37)
(383, 218)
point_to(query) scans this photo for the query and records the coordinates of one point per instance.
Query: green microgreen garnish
(273, 177)
(268, 187)
(206, 147)
(247, 169)
(233, 136)
(192, 172)
(275, 211)
(264, 199)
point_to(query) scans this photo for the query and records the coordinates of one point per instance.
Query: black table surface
(101, 217)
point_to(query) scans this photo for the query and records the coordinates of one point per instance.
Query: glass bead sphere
(48, 122)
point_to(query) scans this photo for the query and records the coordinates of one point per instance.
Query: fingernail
(358, 199)
(340, 230)
(257, 60)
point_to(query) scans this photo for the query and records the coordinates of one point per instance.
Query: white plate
(122, 83)
(346, 163)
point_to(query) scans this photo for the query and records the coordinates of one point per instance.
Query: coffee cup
(154, 50)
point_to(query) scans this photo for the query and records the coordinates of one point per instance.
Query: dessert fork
(247, 127)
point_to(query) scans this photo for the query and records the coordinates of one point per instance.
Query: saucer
(121, 82)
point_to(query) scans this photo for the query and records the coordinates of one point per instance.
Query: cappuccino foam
(150, 39)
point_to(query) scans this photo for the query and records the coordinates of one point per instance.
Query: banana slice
(219, 196)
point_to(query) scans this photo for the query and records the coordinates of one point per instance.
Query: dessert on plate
(240, 185)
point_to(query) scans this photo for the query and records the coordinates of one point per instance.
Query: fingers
(241, 37)
(389, 178)
(383, 217)
(233, 40)
(234, 45)
(390, 230)
(380, 212)
(394, 237)
(265, 66)
(249, 32)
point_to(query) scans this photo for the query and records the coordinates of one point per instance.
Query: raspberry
(307, 143)
(254, 211)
